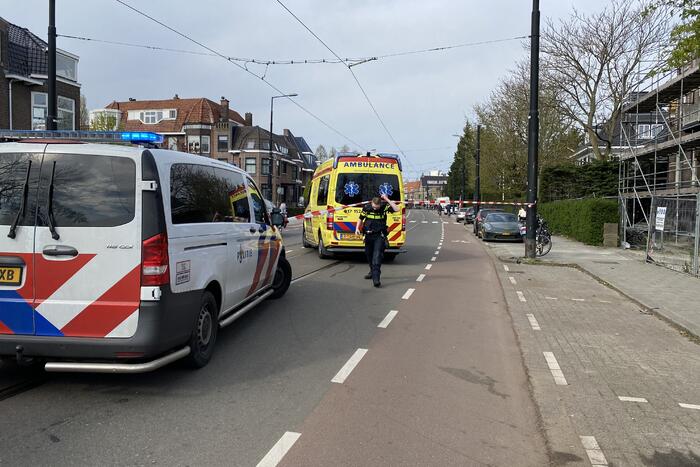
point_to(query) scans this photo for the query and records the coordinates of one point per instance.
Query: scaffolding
(658, 187)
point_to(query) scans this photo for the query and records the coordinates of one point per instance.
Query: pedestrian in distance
(373, 225)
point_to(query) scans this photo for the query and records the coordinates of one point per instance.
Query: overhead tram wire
(204, 46)
(369, 101)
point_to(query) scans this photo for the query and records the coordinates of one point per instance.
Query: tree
(84, 113)
(103, 121)
(685, 36)
(345, 148)
(332, 153)
(321, 153)
(462, 165)
(596, 59)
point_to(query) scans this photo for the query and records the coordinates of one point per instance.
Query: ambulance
(124, 258)
(340, 188)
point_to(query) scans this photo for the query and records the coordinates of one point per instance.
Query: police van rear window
(16, 170)
(88, 191)
(354, 188)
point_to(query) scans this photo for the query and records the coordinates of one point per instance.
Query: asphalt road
(272, 372)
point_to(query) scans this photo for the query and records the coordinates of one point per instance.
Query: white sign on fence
(660, 218)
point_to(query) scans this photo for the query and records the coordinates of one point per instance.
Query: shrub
(597, 179)
(580, 219)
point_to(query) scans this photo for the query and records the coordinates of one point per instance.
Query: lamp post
(477, 179)
(533, 132)
(271, 164)
(52, 113)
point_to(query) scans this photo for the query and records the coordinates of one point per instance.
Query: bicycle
(543, 238)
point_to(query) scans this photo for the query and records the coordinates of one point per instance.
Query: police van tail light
(403, 218)
(330, 217)
(154, 264)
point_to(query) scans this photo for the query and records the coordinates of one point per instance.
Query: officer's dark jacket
(374, 221)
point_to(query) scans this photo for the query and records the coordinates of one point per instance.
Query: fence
(674, 233)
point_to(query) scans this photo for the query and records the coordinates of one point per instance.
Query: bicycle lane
(442, 384)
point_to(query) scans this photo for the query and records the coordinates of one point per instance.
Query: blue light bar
(141, 137)
(131, 137)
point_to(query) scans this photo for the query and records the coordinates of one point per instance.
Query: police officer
(373, 226)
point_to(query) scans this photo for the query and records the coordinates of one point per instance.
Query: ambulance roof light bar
(129, 137)
(384, 155)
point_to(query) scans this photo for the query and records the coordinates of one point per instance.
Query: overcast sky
(423, 98)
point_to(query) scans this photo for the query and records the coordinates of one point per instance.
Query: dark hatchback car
(483, 212)
(501, 226)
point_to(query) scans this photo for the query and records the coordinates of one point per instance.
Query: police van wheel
(206, 328)
(283, 277)
(322, 252)
(304, 242)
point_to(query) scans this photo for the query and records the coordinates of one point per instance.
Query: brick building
(23, 82)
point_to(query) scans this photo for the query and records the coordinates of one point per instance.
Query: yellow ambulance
(339, 189)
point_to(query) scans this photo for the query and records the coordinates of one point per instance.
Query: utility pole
(533, 133)
(52, 116)
(271, 164)
(477, 178)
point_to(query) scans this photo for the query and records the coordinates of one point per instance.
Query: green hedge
(595, 180)
(580, 219)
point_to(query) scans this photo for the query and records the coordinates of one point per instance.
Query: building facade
(23, 82)
(433, 185)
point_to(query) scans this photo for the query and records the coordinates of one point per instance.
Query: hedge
(580, 219)
(597, 179)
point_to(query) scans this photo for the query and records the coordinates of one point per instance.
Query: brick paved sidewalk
(673, 295)
(614, 386)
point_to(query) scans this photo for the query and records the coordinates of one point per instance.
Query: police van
(339, 189)
(118, 258)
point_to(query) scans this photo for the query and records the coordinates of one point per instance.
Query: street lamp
(271, 164)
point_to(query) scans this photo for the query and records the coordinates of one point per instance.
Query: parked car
(480, 217)
(500, 226)
(463, 214)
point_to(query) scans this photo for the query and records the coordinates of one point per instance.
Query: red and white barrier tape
(491, 203)
(310, 214)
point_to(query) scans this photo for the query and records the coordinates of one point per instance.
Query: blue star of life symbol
(352, 189)
(386, 189)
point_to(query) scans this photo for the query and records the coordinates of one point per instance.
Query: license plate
(10, 275)
(505, 234)
(348, 236)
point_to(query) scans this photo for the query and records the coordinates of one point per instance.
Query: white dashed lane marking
(350, 365)
(506, 268)
(408, 294)
(420, 278)
(632, 399)
(521, 297)
(387, 319)
(435, 222)
(533, 322)
(437, 252)
(411, 222)
(579, 299)
(428, 266)
(593, 451)
(689, 406)
(433, 258)
(281, 447)
(512, 280)
(423, 222)
(555, 369)
(551, 298)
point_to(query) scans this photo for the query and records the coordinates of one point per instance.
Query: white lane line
(456, 223)
(387, 319)
(551, 298)
(433, 258)
(411, 222)
(512, 280)
(439, 246)
(632, 399)
(579, 299)
(281, 447)
(428, 266)
(506, 268)
(593, 451)
(521, 297)
(423, 222)
(555, 369)
(689, 406)
(605, 301)
(533, 322)
(289, 251)
(349, 366)
(420, 278)
(435, 222)
(437, 252)
(408, 294)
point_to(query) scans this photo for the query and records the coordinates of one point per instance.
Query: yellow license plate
(10, 275)
(347, 236)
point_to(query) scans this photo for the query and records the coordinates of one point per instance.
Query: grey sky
(422, 98)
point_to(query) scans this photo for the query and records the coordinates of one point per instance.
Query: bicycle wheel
(544, 244)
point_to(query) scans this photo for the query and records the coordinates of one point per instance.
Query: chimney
(176, 97)
(131, 99)
(224, 109)
(287, 133)
(249, 119)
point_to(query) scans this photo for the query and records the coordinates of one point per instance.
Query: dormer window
(151, 117)
(66, 66)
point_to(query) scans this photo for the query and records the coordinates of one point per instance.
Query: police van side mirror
(276, 217)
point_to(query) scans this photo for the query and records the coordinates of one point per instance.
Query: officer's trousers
(374, 249)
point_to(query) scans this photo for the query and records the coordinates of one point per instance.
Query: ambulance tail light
(154, 263)
(330, 218)
(403, 218)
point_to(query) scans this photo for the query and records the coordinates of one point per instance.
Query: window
(237, 207)
(13, 168)
(250, 144)
(322, 196)
(172, 143)
(357, 187)
(222, 143)
(172, 114)
(648, 131)
(195, 195)
(284, 167)
(151, 117)
(89, 191)
(40, 104)
(265, 145)
(206, 141)
(66, 113)
(295, 172)
(265, 166)
(259, 208)
(250, 163)
(193, 144)
(66, 67)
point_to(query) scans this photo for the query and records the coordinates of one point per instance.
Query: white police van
(120, 258)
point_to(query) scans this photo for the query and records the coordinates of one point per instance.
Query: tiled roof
(261, 137)
(26, 53)
(189, 112)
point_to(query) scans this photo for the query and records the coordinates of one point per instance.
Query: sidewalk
(672, 295)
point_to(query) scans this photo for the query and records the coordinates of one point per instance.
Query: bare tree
(595, 59)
